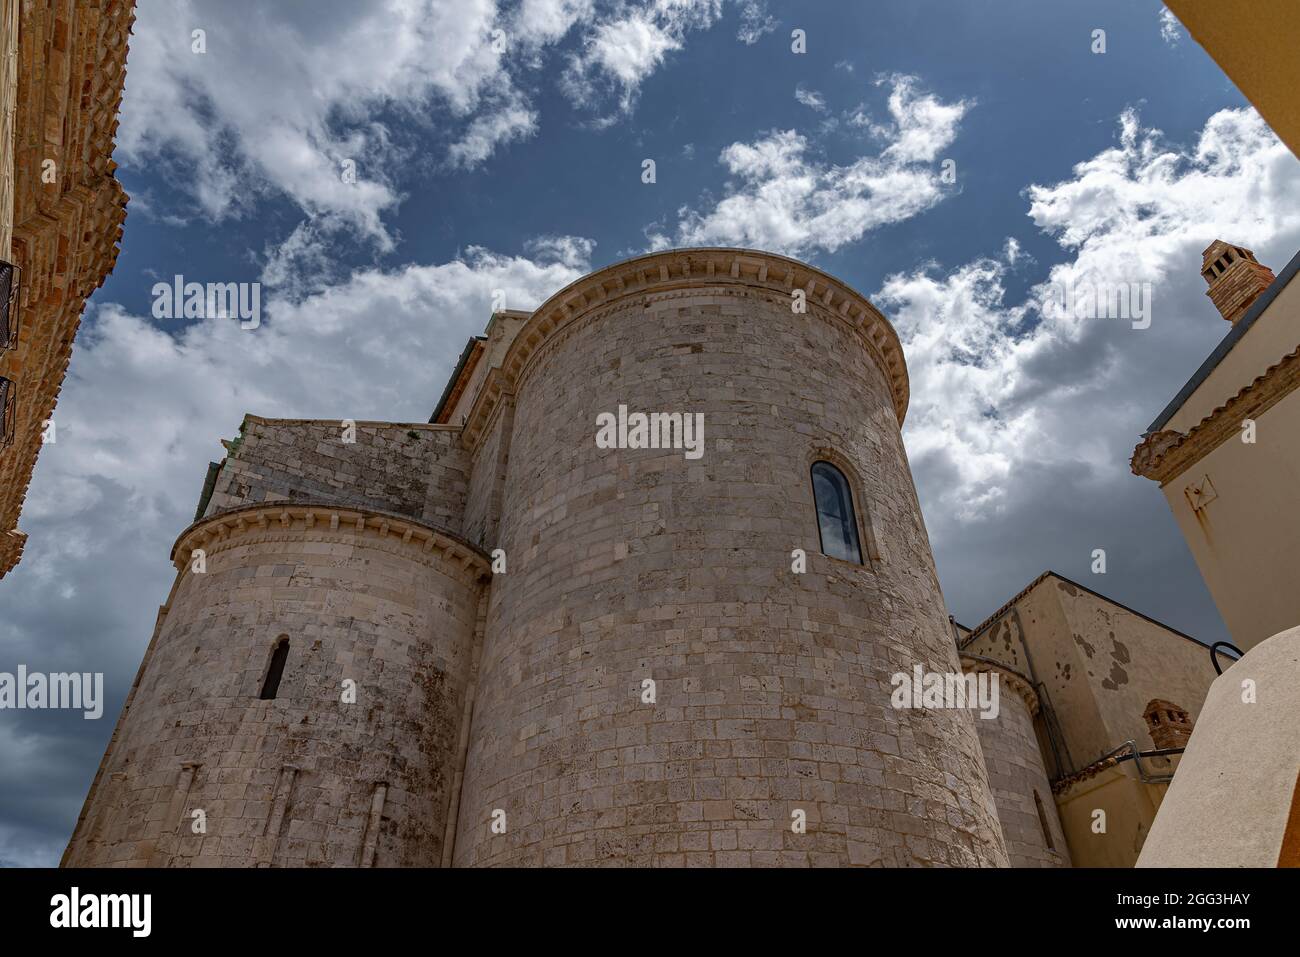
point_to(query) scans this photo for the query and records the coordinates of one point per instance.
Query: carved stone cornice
(359, 423)
(684, 270)
(1151, 451)
(973, 664)
(286, 521)
(495, 392)
(1163, 456)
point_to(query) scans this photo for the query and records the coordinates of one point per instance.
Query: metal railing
(1214, 653)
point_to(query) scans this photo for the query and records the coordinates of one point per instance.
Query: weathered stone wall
(487, 481)
(773, 688)
(772, 692)
(71, 63)
(1130, 660)
(1099, 663)
(306, 779)
(1021, 790)
(409, 469)
(1033, 636)
(8, 104)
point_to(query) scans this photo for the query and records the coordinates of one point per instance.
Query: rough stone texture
(1021, 790)
(8, 104)
(522, 692)
(292, 781)
(772, 687)
(1098, 665)
(70, 70)
(410, 469)
(487, 482)
(1095, 666)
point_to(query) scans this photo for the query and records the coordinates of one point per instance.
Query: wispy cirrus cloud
(810, 98)
(619, 53)
(1171, 31)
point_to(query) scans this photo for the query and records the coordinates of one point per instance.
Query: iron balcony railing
(8, 305)
(8, 409)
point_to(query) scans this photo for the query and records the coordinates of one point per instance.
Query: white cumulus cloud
(235, 101)
(1022, 419)
(782, 198)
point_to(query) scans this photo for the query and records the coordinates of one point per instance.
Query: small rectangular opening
(275, 671)
(1042, 821)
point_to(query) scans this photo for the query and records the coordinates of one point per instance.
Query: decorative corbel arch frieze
(973, 664)
(682, 270)
(276, 521)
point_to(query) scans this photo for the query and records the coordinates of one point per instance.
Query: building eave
(1006, 607)
(465, 366)
(1226, 345)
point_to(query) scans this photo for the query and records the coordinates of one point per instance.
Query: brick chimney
(1235, 277)
(1169, 725)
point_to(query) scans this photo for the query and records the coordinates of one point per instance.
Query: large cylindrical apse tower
(689, 659)
(302, 701)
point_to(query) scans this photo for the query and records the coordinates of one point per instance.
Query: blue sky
(1041, 102)
(517, 164)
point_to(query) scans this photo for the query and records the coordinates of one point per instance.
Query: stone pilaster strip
(371, 840)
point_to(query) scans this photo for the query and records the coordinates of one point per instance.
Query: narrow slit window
(1042, 821)
(836, 522)
(275, 671)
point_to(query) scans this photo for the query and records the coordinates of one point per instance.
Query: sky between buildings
(515, 161)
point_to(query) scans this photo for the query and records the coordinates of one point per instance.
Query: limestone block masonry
(308, 778)
(507, 719)
(1021, 789)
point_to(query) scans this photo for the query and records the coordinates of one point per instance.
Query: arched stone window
(275, 671)
(837, 524)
